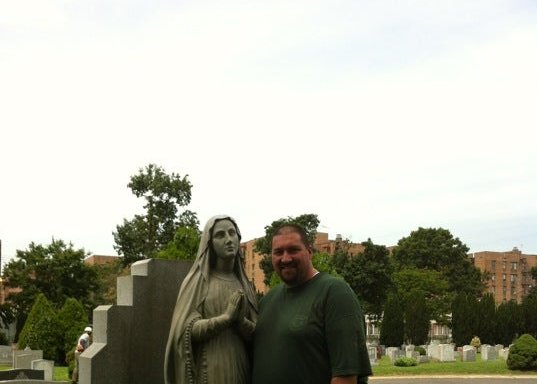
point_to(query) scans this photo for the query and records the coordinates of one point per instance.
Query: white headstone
(446, 352)
(488, 353)
(469, 353)
(44, 365)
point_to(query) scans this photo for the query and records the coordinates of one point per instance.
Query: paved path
(469, 379)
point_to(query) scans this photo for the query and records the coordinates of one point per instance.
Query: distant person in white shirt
(84, 341)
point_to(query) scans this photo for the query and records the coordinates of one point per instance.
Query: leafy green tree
(486, 319)
(57, 270)
(263, 245)
(436, 249)
(369, 275)
(42, 329)
(417, 319)
(145, 235)
(434, 286)
(184, 245)
(73, 319)
(392, 327)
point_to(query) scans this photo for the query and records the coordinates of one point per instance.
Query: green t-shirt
(309, 334)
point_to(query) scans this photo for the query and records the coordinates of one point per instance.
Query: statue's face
(225, 239)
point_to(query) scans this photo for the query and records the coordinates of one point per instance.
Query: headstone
(498, 347)
(47, 366)
(446, 352)
(503, 353)
(488, 353)
(21, 374)
(433, 351)
(408, 350)
(23, 359)
(393, 353)
(423, 359)
(6, 354)
(129, 339)
(382, 350)
(469, 353)
(372, 351)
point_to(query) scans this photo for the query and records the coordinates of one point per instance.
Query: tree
(184, 245)
(510, 322)
(529, 305)
(462, 320)
(263, 245)
(434, 286)
(42, 329)
(417, 321)
(486, 319)
(145, 235)
(392, 328)
(57, 270)
(369, 275)
(73, 319)
(436, 249)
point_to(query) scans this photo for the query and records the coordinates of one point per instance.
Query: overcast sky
(379, 116)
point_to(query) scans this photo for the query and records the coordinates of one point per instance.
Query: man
(310, 329)
(84, 341)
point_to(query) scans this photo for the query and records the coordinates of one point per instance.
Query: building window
(513, 265)
(493, 278)
(513, 279)
(504, 277)
(493, 265)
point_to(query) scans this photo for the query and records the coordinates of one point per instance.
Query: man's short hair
(286, 228)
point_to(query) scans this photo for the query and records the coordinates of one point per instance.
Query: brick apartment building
(508, 273)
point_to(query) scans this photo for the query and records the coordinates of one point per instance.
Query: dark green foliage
(184, 245)
(417, 319)
(523, 354)
(3, 338)
(42, 329)
(529, 307)
(463, 320)
(369, 275)
(510, 322)
(405, 362)
(58, 270)
(145, 235)
(486, 319)
(263, 245)
(72, 319)
(392, 328)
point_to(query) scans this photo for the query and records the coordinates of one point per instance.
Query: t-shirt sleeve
(344, 331)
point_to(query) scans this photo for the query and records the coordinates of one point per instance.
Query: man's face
(225, 239)
(291, 259)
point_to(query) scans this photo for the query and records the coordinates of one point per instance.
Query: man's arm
(343, 380)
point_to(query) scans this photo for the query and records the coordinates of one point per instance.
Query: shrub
(523, 354)
(421, 350)
(405, 362)
(475, 342)
(41, 329)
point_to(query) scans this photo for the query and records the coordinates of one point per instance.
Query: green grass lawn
(384, 367)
